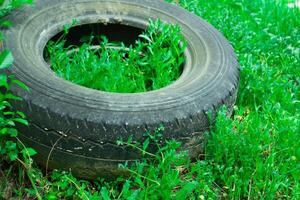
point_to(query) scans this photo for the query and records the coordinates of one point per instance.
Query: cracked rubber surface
(80, 126)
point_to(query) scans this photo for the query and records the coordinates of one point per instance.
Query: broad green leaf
(29, 152)
(1, 36)
(13, 97)
(10, 123)
(3, 81)
(19, 83)
(6, 59)
(125, 189)
(186, 191)
(22, 121)
(134, 195)
(17, 4)
(6, 23)
(145, 37)
(52, 196)
(6, 104)
(8, 113)
(146, 144)
(13, 132)
(12, 156)
(4, 131)
(105, 193)
(21, 114)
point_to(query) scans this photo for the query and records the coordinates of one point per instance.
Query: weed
(153, 62)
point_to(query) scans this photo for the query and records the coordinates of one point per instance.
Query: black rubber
(74, 127)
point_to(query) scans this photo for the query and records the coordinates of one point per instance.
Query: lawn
(255, 154)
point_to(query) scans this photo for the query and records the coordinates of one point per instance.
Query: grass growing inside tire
(153, 62)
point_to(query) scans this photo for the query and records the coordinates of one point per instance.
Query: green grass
(253, 155)
(152, 62)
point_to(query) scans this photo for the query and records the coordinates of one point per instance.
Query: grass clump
(153, 62)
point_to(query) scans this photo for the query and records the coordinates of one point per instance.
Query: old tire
(73, 127)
